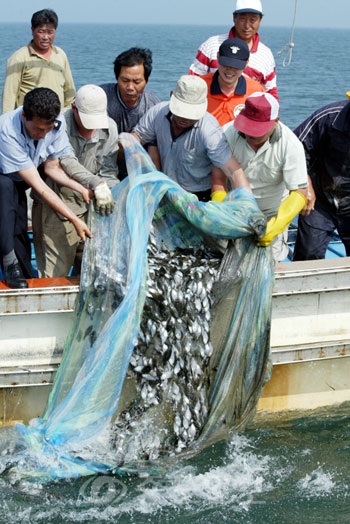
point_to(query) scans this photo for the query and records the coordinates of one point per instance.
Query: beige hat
(91, 103)
(189, 99)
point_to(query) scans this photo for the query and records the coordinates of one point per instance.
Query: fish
(175, 338)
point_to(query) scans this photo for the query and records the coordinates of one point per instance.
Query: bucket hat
(189, 98)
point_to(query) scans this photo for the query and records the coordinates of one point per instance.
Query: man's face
(43, 37)
(246, 25)
(131, 83)
(37, 128)
(181, 123)
(229, 76)
(256, 142)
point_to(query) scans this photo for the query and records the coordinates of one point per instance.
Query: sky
(278, 13)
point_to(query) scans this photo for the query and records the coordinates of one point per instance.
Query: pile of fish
(170, 360)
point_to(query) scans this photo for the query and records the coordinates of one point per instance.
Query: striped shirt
(261, 65)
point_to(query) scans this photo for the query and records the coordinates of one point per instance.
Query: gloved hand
(289, 208)
(218, 196)
(104, 202)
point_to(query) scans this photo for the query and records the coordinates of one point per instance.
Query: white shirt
(277, 168)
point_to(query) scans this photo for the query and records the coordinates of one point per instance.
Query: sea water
(317, 75)
(277, 471)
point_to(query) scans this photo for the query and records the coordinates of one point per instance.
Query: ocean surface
(318, 73)
(277, 471)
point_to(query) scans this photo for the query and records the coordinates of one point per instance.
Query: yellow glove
(289, 208)
(347, 94)
(218, 196)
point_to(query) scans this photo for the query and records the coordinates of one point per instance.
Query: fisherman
(93, 162)
(38, 64)
(274, 163)
(189, 140)
(129, 99)
(261, 66)
(325, 136)
(30, 136)
(228, 87)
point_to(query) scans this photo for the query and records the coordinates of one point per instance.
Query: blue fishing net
(90, 383)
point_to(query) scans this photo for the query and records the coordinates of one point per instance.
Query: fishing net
(109, 377)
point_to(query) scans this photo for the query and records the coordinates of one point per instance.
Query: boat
(310, 339)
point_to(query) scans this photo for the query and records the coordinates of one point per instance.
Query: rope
(288, 48)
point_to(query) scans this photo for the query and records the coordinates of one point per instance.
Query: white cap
(248, 6)
(91, 103)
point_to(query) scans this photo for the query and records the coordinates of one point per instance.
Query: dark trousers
(315, 232)
(13, 223)
(203, 196)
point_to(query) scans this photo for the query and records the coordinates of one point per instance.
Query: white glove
(104, 202)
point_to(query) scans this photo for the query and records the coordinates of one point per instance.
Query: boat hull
(310, 339)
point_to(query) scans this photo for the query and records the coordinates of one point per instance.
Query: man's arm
(11, 85)
(54, 170)
(108, 156)
(202, 63)
(235, 173)
(104, 202)
(310, 195)
(155, 156)
(74, 169)
(34, 180)
(69, 87)
(288, 209)
(218, 185)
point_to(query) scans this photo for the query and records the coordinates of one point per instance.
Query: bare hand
(82, 229)
(86, 194)
(311, 199)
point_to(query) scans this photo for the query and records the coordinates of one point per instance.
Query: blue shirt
(188, 158)
(18, 151)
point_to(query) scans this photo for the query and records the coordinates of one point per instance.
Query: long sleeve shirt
(26, 69)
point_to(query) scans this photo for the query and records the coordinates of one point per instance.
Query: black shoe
(13, 276)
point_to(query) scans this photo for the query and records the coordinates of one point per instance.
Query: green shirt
(26, 69)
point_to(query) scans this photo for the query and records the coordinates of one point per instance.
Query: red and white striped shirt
(261, 65)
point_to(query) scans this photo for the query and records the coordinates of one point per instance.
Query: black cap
(233, 52)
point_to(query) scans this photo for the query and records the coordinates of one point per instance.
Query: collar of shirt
(241, 87)
(33, 52)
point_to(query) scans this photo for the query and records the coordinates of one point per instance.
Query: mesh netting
(91, 384)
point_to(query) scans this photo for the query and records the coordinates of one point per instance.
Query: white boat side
(310, 339)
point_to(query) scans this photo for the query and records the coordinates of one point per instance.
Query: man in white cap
(274, 162)
(189, 141)
(261, 66)
(93, 162)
